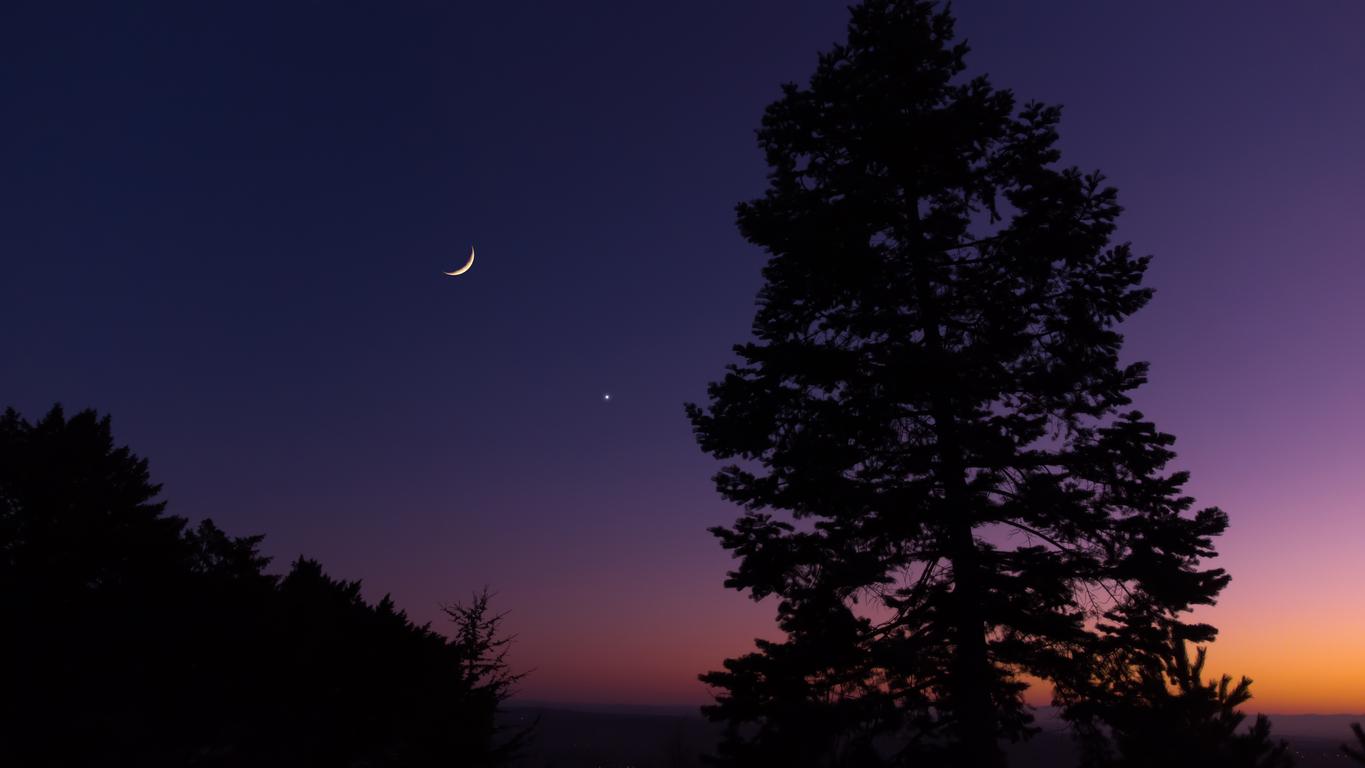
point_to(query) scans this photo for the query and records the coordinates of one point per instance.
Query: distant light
(606, 397)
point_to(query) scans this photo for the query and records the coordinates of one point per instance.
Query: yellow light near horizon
(1296, 670)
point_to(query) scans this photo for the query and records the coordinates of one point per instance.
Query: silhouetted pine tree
(932, 433)
(485, 674)
(131, 638)
(1358, 753)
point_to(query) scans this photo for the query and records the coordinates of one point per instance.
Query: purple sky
(225, 224)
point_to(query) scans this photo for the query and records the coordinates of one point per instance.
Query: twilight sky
(224, 224)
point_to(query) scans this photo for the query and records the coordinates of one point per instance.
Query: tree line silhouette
(945, 486)
(132, 638)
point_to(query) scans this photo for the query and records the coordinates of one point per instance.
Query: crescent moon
(466, 266)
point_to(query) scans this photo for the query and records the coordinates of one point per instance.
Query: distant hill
(568, 738)
(1336, 727)
(611, 738)
(595, 736)
(1316, 739)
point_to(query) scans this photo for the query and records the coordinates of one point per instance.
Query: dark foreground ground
(568, 738)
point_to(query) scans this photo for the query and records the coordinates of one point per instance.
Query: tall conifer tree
(945, 486)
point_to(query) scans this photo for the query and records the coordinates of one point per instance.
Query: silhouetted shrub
(1154, 710)
(1357, 753)
(133, 639)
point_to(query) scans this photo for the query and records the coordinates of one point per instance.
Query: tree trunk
(970, 675)
(978, 747)
(969, 678)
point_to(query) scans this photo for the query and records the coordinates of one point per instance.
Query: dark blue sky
(225, 223)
